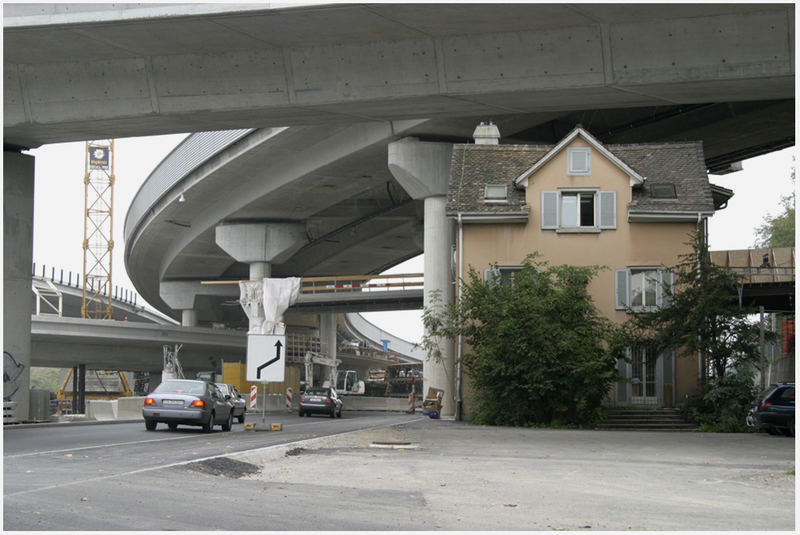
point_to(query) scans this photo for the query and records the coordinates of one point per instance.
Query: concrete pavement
(465, 477)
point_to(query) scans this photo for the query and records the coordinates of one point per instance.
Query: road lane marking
(68, 450)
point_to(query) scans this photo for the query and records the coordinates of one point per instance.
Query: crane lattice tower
(98, 234)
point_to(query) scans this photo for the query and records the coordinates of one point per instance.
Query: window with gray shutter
(607, 203)
(579, 161)
(621, 277)
(549, 209)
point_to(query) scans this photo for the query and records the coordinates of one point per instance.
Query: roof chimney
(486, 134)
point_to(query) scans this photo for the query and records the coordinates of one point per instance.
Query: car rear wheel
(789, 431)
(150, 425)
(333, 411)
(209, 425)
(339, 413)
(228, 423)
(240, 418)
(172, 427)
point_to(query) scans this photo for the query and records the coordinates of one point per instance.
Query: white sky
(59, 205)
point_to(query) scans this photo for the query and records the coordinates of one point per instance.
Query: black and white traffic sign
(266, 358)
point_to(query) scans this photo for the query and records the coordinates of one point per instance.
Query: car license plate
(316, 399)
(172, 402)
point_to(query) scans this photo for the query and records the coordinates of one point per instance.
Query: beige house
(631, 208)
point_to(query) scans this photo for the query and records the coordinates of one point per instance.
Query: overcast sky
(59, 205)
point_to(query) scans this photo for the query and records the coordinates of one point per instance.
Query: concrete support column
(423, 169)
(260, 245)
(181, 295)
(189, 318)
(18, 179)
(260, 270)
(327, 336)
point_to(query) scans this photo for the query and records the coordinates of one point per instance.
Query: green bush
(540, 352)
(724, 406)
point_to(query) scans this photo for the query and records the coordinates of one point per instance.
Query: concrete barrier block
(130, 408)
(97, 409)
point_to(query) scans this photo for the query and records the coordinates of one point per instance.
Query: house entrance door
(643, 377)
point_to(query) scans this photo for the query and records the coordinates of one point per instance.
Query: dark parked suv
(774, 409)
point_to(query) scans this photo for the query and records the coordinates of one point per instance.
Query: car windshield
(224, 389)
(181, 387)
(317, 392)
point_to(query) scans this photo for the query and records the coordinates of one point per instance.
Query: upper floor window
(503, 275)
(579, 161)
(643, 289)
(495, 193)
(579, 210)
(663, 191)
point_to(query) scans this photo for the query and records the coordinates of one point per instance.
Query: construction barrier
(369, 403)
(289, 399)
(9, 412)
(253, 396)
(97, 409)
(130, 408)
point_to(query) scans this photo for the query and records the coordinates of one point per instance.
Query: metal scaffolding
(98, 235)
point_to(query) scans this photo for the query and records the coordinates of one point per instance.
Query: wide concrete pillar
(423, 169)
(181, 295)
(260, 245)
(18, 179)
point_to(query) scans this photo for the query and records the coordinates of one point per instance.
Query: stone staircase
(645, 420)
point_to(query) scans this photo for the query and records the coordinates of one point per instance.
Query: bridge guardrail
(361, 283)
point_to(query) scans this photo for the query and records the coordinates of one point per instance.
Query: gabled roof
(680, 164)
(635, 178)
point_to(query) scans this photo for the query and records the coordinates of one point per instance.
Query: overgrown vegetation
(724, 406)
(778, 231)
(703, 316)
(539, 352)
(46, 378)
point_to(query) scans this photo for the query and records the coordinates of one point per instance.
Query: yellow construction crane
(98, 233)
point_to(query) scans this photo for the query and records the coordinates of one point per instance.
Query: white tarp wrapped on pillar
(266, 300)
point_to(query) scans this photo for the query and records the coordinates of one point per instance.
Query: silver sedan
(188, 402)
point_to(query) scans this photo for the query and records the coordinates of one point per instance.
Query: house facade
(630, 208)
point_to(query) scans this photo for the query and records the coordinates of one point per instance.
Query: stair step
(645, 420)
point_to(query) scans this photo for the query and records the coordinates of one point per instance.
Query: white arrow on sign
(266, 359)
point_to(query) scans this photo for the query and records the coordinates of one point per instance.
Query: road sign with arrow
(266, 358)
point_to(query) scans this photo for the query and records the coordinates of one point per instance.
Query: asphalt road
(376, 471)
(88, 477)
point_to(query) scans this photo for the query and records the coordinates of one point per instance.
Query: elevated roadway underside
(350, 79)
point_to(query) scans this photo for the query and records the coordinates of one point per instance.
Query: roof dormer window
(579, 161)
(663, 191)
(495, 193)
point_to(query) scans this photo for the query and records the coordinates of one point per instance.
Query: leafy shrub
(724, 406)
(540, 352)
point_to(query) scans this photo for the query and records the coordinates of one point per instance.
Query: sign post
(266, 362)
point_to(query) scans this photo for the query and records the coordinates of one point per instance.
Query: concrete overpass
(723, 73)
(350, 80)
(133, 339)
